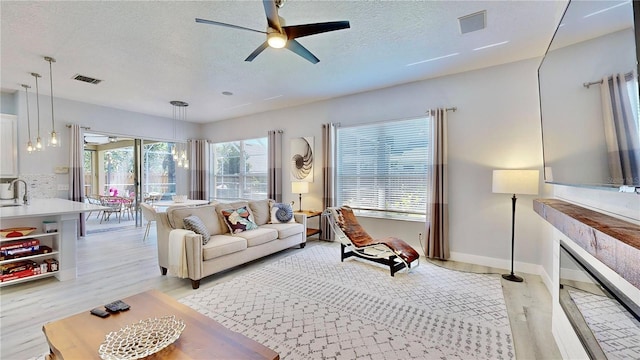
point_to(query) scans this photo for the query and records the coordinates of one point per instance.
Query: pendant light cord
(50, 60)
(26, 93)
(35, 75)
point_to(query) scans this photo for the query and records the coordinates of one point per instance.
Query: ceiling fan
(279, 35)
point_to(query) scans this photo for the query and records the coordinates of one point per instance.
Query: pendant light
(179, 151)
(29, 143)
(54, 141)
(38, 139)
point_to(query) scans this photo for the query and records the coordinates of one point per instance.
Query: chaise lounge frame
(392, 252)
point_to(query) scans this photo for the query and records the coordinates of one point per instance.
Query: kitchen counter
(44, 207)
(60, 236)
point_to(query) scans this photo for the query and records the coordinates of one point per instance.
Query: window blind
(384, 167)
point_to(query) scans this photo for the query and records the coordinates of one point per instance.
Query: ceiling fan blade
(211, 22)
(271, 11)
(296, 31)
(257, 51)
(297, 48)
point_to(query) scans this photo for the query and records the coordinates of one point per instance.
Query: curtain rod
(588, 84)
(82, 127)
(453, 108)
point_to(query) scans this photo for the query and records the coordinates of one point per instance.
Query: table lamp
(300, 187)
(524, 182)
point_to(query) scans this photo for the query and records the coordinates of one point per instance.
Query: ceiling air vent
(86, 79)
(473, 22)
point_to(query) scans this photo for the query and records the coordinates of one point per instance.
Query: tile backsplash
(41, 186)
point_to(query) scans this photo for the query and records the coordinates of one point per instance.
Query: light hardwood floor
(117, 264)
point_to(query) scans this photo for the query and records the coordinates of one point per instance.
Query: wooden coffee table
(79, 336)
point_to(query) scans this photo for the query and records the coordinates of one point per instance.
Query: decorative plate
(141, 339)
(16, 231)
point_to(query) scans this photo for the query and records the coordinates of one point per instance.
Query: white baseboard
(546, 279)
(499, 263)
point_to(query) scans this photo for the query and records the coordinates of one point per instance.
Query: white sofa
(225, 250)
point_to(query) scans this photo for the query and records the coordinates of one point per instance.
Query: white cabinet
(8, 145)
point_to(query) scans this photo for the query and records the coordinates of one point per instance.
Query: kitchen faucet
(25, 198)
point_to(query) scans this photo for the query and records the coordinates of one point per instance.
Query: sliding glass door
(136, 169)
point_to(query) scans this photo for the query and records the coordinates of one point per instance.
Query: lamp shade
(299, 187)
(523, 182)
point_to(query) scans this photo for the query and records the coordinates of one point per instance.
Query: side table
(311, 214)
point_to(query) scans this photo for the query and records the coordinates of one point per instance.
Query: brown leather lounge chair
(354, 241)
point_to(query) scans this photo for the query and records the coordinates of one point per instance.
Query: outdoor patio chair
(354, 241)
(114, 205)
(95, 200)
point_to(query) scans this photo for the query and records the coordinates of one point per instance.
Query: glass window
(89, 166)
(382, 168)
(118, 171)
(240, 169)
(159, 170)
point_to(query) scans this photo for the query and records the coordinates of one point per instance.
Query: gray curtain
(621, 130)
(437, 240)
(76, 171)
(274, 181)
(328, 175)
(199, 179)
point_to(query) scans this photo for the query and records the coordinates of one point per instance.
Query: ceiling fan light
(276, 40)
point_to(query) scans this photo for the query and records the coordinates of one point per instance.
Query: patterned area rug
(312, 306)
(617, 331)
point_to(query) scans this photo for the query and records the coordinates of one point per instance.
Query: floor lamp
(524, 182)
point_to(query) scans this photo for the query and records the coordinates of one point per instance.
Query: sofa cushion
(239, 220)
(196, 225)
(258, 236)
(281, 213)
(206, 213)
(220, 245)
(285, 230)
(227, 206)
(260, 210)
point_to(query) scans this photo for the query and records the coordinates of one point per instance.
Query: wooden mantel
(615, 242)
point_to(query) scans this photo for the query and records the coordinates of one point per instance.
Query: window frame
(245, 180)
(392, 170)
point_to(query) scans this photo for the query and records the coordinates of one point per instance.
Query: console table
(79, 336)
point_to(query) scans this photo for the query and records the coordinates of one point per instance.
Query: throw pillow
(239, 220)
(281, 213)
(196, 225)
(260, 210)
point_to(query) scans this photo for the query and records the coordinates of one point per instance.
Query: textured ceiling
(149, 53)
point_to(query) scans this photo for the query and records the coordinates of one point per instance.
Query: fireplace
(605, 319)
(597, 276)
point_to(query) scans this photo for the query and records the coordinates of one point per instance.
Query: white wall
(496, 126)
